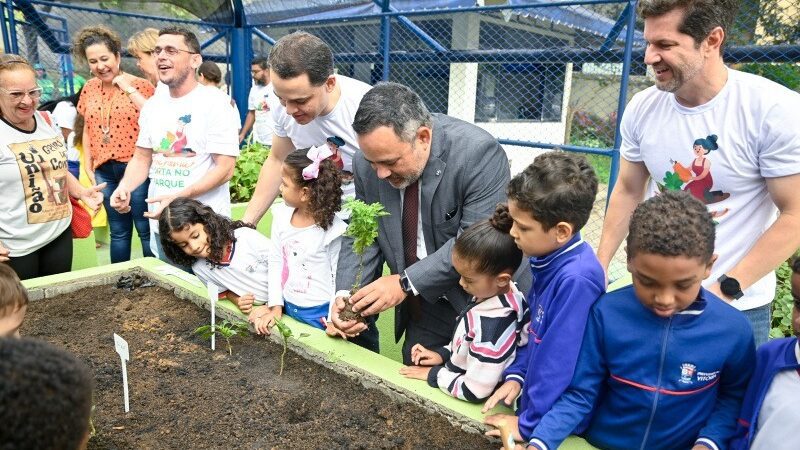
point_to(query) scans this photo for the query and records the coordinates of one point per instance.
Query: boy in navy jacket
(549, 203)
(771, 411)
(664, 364)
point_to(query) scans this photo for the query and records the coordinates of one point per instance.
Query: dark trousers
(53, 258)
(434, 328)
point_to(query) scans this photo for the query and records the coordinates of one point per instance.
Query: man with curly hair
(45, 397)
(755, 163)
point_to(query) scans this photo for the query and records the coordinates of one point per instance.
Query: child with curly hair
(306, 238)
(491, 326)
(229, 253)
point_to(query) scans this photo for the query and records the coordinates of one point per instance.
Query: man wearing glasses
(187, 144)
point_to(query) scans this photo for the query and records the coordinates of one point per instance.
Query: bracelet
(131, 90)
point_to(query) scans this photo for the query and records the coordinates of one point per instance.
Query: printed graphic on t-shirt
(43, 168)
(293, 254)
(175, 168)
(263, 105)
(695, 176)
(174, 144)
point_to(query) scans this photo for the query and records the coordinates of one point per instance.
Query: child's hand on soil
(416, 372)
(508, 392)
(508, 421)
(421, 356)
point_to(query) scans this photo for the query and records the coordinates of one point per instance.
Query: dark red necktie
(409, 228)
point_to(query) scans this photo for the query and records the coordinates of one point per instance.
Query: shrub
(782, 306)
(248, 166)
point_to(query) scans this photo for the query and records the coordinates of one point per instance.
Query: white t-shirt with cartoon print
(721, 152)
(34, 206)
(261, 100)
(336, 124)
(303, 261)
(184, 133)
(245, 268)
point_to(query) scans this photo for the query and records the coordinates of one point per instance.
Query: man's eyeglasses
(171, 51)
(17, 96)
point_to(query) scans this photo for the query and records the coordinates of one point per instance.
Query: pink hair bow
(316, 155)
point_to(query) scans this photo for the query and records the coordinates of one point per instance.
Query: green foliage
(363, 228)
(285, 333)
(226, 329)
(782, 306)
(248, 166)
(787, 74)
(589, 130)
(672, 181)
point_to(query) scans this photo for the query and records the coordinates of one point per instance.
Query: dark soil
(184, 396)
(347, 313)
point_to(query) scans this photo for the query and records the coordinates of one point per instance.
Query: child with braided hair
(491, 326)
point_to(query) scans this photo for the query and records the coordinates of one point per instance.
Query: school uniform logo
(687, 372)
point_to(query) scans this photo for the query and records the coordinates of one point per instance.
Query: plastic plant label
(121, 346)
(213, 294)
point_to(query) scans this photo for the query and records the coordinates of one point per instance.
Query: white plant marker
(213, 293)
(121, 346)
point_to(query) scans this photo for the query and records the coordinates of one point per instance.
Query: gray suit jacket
(465, 177)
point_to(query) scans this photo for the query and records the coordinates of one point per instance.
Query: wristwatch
(405, 285)
(730, 287)
(130, 90)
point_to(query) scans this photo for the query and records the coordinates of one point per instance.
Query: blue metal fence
(536, 74)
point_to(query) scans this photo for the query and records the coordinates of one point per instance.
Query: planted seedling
(286, 333)
(363, 228)
(228, 330)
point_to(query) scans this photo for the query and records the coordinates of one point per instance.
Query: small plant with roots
(228, 330)
(363, 228)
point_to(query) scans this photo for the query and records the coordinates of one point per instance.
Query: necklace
(106, 128)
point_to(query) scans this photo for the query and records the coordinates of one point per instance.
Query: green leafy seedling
(363, 228)
(228, 330)
(286, 333)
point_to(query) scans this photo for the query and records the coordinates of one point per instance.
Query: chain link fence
(537, 75)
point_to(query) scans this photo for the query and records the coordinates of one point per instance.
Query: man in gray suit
(435, 175)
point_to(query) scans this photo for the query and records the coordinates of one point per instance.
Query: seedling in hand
(363, 228)
(228, 330)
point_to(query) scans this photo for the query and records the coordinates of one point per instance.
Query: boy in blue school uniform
(664, 364)
(549, 203)
(771, 412)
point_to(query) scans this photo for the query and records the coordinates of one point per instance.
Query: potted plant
(363, 228)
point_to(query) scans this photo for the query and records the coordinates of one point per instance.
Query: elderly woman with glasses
(110, 104)
(35, 236)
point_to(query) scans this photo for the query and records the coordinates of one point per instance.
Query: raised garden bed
(183, 395)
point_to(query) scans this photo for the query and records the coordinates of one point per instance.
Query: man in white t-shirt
(316, 107)
(187, 143)
(259, 104)
(727, 137)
